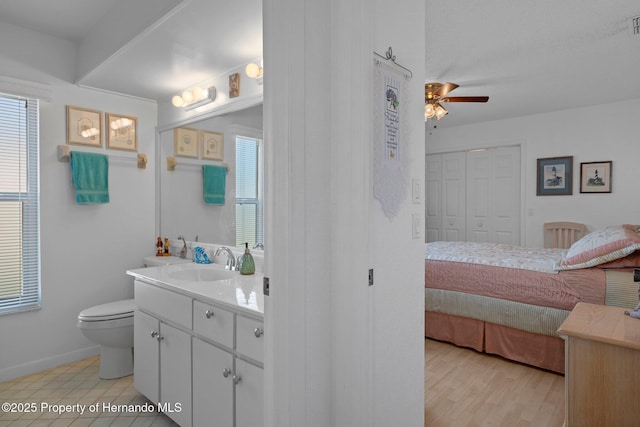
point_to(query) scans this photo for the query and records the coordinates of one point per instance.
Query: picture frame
(554, 176)
(84, 126)
(185, 142)
(122, 132)
(211, 145)
(595, 177)
(234, 85)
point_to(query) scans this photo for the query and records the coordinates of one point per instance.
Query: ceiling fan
(436, 93)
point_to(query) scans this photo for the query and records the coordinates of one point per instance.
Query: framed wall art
(234, 85)
(84, 126)
(211, 145)
(185, 142)
(595, 177)
(122, 132)
(555, 176)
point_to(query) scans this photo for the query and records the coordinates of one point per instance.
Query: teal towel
(214, 180)
(90, 175)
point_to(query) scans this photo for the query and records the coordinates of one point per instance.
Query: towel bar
(172, 162)
(64, 155)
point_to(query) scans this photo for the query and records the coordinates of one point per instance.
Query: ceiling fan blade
(465, 99)
(445, 89)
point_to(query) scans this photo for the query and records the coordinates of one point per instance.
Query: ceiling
(528, 57)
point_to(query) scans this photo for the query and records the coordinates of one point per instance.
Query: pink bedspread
(563, 289)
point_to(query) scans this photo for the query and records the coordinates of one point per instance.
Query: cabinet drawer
(213, 323)
(250, 335)
(166, 304)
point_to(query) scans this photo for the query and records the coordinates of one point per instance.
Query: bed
(510, 300)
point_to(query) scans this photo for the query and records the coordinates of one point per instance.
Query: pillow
(630, 261)
(599, 247)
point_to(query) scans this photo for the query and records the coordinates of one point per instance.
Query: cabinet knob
(208, 314)
(226, 372)
(258, 332)
(236, 378)
(154, 334)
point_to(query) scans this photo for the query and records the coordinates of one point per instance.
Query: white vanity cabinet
(198, 348)
(227, 368)
(162, 350)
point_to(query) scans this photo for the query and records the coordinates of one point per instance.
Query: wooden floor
(467, 388)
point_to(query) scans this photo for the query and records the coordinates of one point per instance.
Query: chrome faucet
(183, 251)
(259, 246)
(231, 259)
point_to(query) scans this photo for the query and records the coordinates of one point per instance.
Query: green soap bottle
(247, 266)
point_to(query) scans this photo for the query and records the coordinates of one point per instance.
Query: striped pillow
(602, 246)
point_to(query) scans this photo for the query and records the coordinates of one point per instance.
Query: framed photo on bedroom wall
(595, 177)
(555, 176)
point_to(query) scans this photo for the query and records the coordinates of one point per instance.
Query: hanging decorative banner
(392, 118)
(390, 100)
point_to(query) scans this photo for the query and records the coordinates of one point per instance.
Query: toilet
(111, 326)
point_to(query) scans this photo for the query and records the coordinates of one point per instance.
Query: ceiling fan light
(440, 111)
(429, 111)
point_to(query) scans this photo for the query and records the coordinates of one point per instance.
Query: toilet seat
(115, 310)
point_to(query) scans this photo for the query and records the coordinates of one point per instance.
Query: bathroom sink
(202, 274)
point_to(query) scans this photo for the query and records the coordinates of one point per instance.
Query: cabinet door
(146, 369)
(250, 337)
(175, 374)
(212, 385)
(249, 395)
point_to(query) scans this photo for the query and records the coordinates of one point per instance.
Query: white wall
(591, 134)
(85, 249)
(339, 352)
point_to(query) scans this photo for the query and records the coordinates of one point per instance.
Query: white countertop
(242, 293)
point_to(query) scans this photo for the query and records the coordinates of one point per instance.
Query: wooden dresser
(602, 375)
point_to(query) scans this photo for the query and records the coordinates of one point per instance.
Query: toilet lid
(108, 311)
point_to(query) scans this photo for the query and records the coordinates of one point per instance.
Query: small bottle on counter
(247, 266)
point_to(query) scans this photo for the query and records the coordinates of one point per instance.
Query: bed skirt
(542, 351)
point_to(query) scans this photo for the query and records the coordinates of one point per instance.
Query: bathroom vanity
(198, 343)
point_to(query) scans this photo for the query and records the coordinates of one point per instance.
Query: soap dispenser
(247, 266)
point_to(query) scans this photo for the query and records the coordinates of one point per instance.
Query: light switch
(416, 226)
(415, 191)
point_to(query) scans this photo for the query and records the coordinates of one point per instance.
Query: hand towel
(214, 182)
(90, 175)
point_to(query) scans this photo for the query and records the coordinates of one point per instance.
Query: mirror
(182, 208)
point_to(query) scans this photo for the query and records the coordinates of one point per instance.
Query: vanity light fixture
(194, 98)
(254, 71)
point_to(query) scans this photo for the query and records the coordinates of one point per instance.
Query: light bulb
(198, 93)
(177, 101)
(187, 96)
(253, 70)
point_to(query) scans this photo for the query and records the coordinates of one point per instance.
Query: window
(249, 191)
(19, 201)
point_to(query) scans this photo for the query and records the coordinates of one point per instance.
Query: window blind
(249, 191)
(19, 205)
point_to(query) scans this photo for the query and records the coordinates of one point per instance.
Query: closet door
(433, 202)
(445, 197)
(453, 196)
(493, 195)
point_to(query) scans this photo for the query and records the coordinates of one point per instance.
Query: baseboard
(12, 372)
